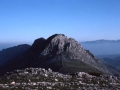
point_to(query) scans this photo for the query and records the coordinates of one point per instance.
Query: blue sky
(84, 20)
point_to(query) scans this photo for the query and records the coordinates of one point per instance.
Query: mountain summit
(59, 53)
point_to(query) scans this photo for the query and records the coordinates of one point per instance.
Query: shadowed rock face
(38, 45)
(67, 50)
(9, 53)
(59, 53)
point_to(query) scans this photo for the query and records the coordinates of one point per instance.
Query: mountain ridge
(9, 53)
(59, 53)
(101, 40)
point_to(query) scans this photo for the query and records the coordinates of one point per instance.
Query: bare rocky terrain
(41, 79)
(57, 63)
(58, 52)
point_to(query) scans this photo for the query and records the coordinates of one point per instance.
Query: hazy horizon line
(30, 42)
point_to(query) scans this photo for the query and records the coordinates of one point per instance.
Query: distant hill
(112, 61)
(12, 52)
(102, 47)
(108, 56)
(102, 41)
(4, 45)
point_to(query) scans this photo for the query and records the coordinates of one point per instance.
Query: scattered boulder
(12, 83)
(55, 80)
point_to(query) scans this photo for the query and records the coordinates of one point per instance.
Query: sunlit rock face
(60, 48)
(59, 53)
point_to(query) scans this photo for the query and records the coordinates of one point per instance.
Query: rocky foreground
(41, 79)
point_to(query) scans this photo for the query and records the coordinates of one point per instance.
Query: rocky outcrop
(38, 45)
(62, 49)
(41, 79)
(59, 53)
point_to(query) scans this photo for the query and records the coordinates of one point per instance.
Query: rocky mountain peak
(38, 45)
(59, 43)
(60, 46)
(38, 42)
(60, 53)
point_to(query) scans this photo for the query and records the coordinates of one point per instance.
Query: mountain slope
(9, 53)
(59, 53)
(112, 62)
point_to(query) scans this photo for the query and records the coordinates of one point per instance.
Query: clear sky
(84, 20)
